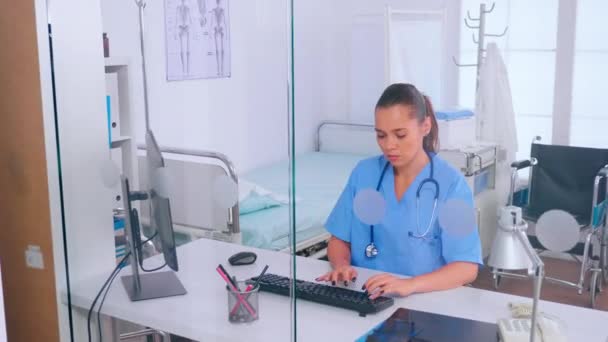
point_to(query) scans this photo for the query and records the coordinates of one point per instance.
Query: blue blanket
(320, 178)
(453, 115)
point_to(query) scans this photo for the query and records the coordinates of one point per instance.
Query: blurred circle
(369, 206)
(110, 173)
(225, 191)
(457, 217)
(557, 230)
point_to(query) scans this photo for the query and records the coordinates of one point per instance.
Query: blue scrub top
(399, 252)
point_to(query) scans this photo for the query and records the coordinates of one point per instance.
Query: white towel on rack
(494, 108)
(495, 115)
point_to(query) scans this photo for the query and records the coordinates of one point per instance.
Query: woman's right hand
(343, 273)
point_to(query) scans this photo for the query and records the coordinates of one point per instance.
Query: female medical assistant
(410, 176)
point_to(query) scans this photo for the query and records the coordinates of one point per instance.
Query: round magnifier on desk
(557, 230)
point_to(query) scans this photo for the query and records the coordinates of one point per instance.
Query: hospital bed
(320, 177)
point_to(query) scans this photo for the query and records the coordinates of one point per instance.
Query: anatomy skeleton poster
(197, 39)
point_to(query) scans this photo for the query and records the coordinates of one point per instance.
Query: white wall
(252, 128)
(312, 32)
(244, 116)
(334, 21)
(323, 56)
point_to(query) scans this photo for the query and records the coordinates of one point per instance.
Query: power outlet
(33, 257)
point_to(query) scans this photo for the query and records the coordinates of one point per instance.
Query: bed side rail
(233, 213)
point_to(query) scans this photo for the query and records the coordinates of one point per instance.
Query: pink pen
(236, 292)
(236, 306)
(250, 287)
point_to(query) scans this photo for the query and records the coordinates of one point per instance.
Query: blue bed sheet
(320, 178)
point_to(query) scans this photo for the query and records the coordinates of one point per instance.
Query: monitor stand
(153, 285)
(148, 285)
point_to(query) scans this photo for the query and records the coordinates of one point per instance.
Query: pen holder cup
(242, 304)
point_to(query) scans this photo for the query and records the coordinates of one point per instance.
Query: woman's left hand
(386, 284)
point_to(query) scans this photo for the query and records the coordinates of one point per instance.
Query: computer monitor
(141, 286)
(160, 214)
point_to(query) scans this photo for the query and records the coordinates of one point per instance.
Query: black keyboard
(325, 294)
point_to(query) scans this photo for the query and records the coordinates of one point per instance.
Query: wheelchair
(572, 179)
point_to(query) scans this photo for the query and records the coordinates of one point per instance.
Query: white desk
(202, 313)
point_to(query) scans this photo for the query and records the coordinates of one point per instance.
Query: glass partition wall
(227, 136)
(172, 119)
(346, 53)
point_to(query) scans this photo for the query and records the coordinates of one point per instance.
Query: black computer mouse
(242, 258)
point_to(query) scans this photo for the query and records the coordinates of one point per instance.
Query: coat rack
(480, 41)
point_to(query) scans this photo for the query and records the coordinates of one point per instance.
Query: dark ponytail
(431, 141)
(408, 95)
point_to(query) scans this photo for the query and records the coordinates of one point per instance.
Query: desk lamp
(512, 250)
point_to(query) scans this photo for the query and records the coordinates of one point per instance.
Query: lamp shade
(508, 253)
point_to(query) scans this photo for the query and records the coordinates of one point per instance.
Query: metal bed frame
(315, 247)
(234, 230)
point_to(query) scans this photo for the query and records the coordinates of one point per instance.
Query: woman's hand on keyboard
(386, 284)
(344, 274)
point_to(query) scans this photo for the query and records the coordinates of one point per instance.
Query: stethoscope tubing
(371, 250)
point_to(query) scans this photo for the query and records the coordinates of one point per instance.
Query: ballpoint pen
(249, 288)
(235, 289)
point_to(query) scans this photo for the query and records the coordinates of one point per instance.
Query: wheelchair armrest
(522, 164)
(516, 166)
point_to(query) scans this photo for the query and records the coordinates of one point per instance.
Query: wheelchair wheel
(594, 289)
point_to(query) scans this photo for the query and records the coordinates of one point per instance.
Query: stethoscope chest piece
(371, 250)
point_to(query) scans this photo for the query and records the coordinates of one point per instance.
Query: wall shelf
(119, 141)
(114, 63)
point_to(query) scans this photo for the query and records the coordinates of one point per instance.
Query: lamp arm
(534, 258)
(539, 273)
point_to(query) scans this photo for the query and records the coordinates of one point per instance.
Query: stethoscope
(372, 250)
